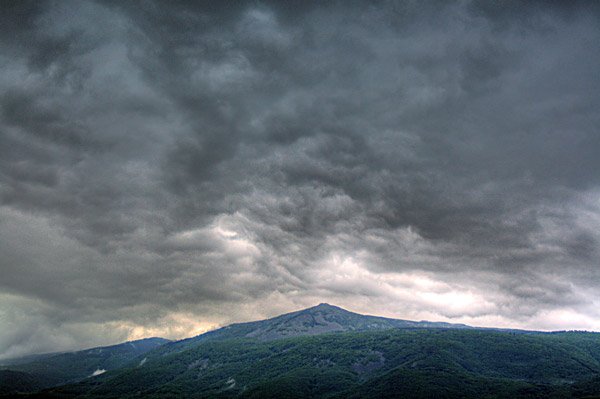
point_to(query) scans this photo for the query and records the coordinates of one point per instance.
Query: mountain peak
(325, 306)
(320, 319)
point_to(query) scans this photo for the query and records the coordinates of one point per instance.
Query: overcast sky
(167, 168)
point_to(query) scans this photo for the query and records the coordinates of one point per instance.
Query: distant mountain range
(323, 352)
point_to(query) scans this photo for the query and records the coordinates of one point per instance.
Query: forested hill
(328, 352)
(34, 372)
(392, 363)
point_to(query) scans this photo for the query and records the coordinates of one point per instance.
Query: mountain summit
(325, 318)
(320, 319)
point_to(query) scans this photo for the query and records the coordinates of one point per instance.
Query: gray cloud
(165, 168)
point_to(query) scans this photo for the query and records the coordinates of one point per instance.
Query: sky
(167, 168)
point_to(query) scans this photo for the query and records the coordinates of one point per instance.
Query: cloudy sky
(167, 168)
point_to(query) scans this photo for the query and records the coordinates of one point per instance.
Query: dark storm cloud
(160, 160)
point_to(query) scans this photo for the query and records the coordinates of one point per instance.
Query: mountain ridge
(325, 318)
(319, 319)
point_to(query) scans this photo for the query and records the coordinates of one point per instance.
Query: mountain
(323, 318)
(325, 352)
(49, 370)
(40, 371)
(392, 363)
(328, 352)
(320, 319)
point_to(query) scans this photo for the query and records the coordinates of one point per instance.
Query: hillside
(12, 382)
(423, 363)
(61, 368)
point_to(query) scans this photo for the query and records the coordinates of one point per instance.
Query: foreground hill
(394, 363)
(39, 371)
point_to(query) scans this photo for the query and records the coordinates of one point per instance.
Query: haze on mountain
(169, 167)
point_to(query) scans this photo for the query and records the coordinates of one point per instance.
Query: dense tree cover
(61, 368)
(395, 363)
(12, 382)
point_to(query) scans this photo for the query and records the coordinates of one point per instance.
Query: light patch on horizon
(173, 326)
